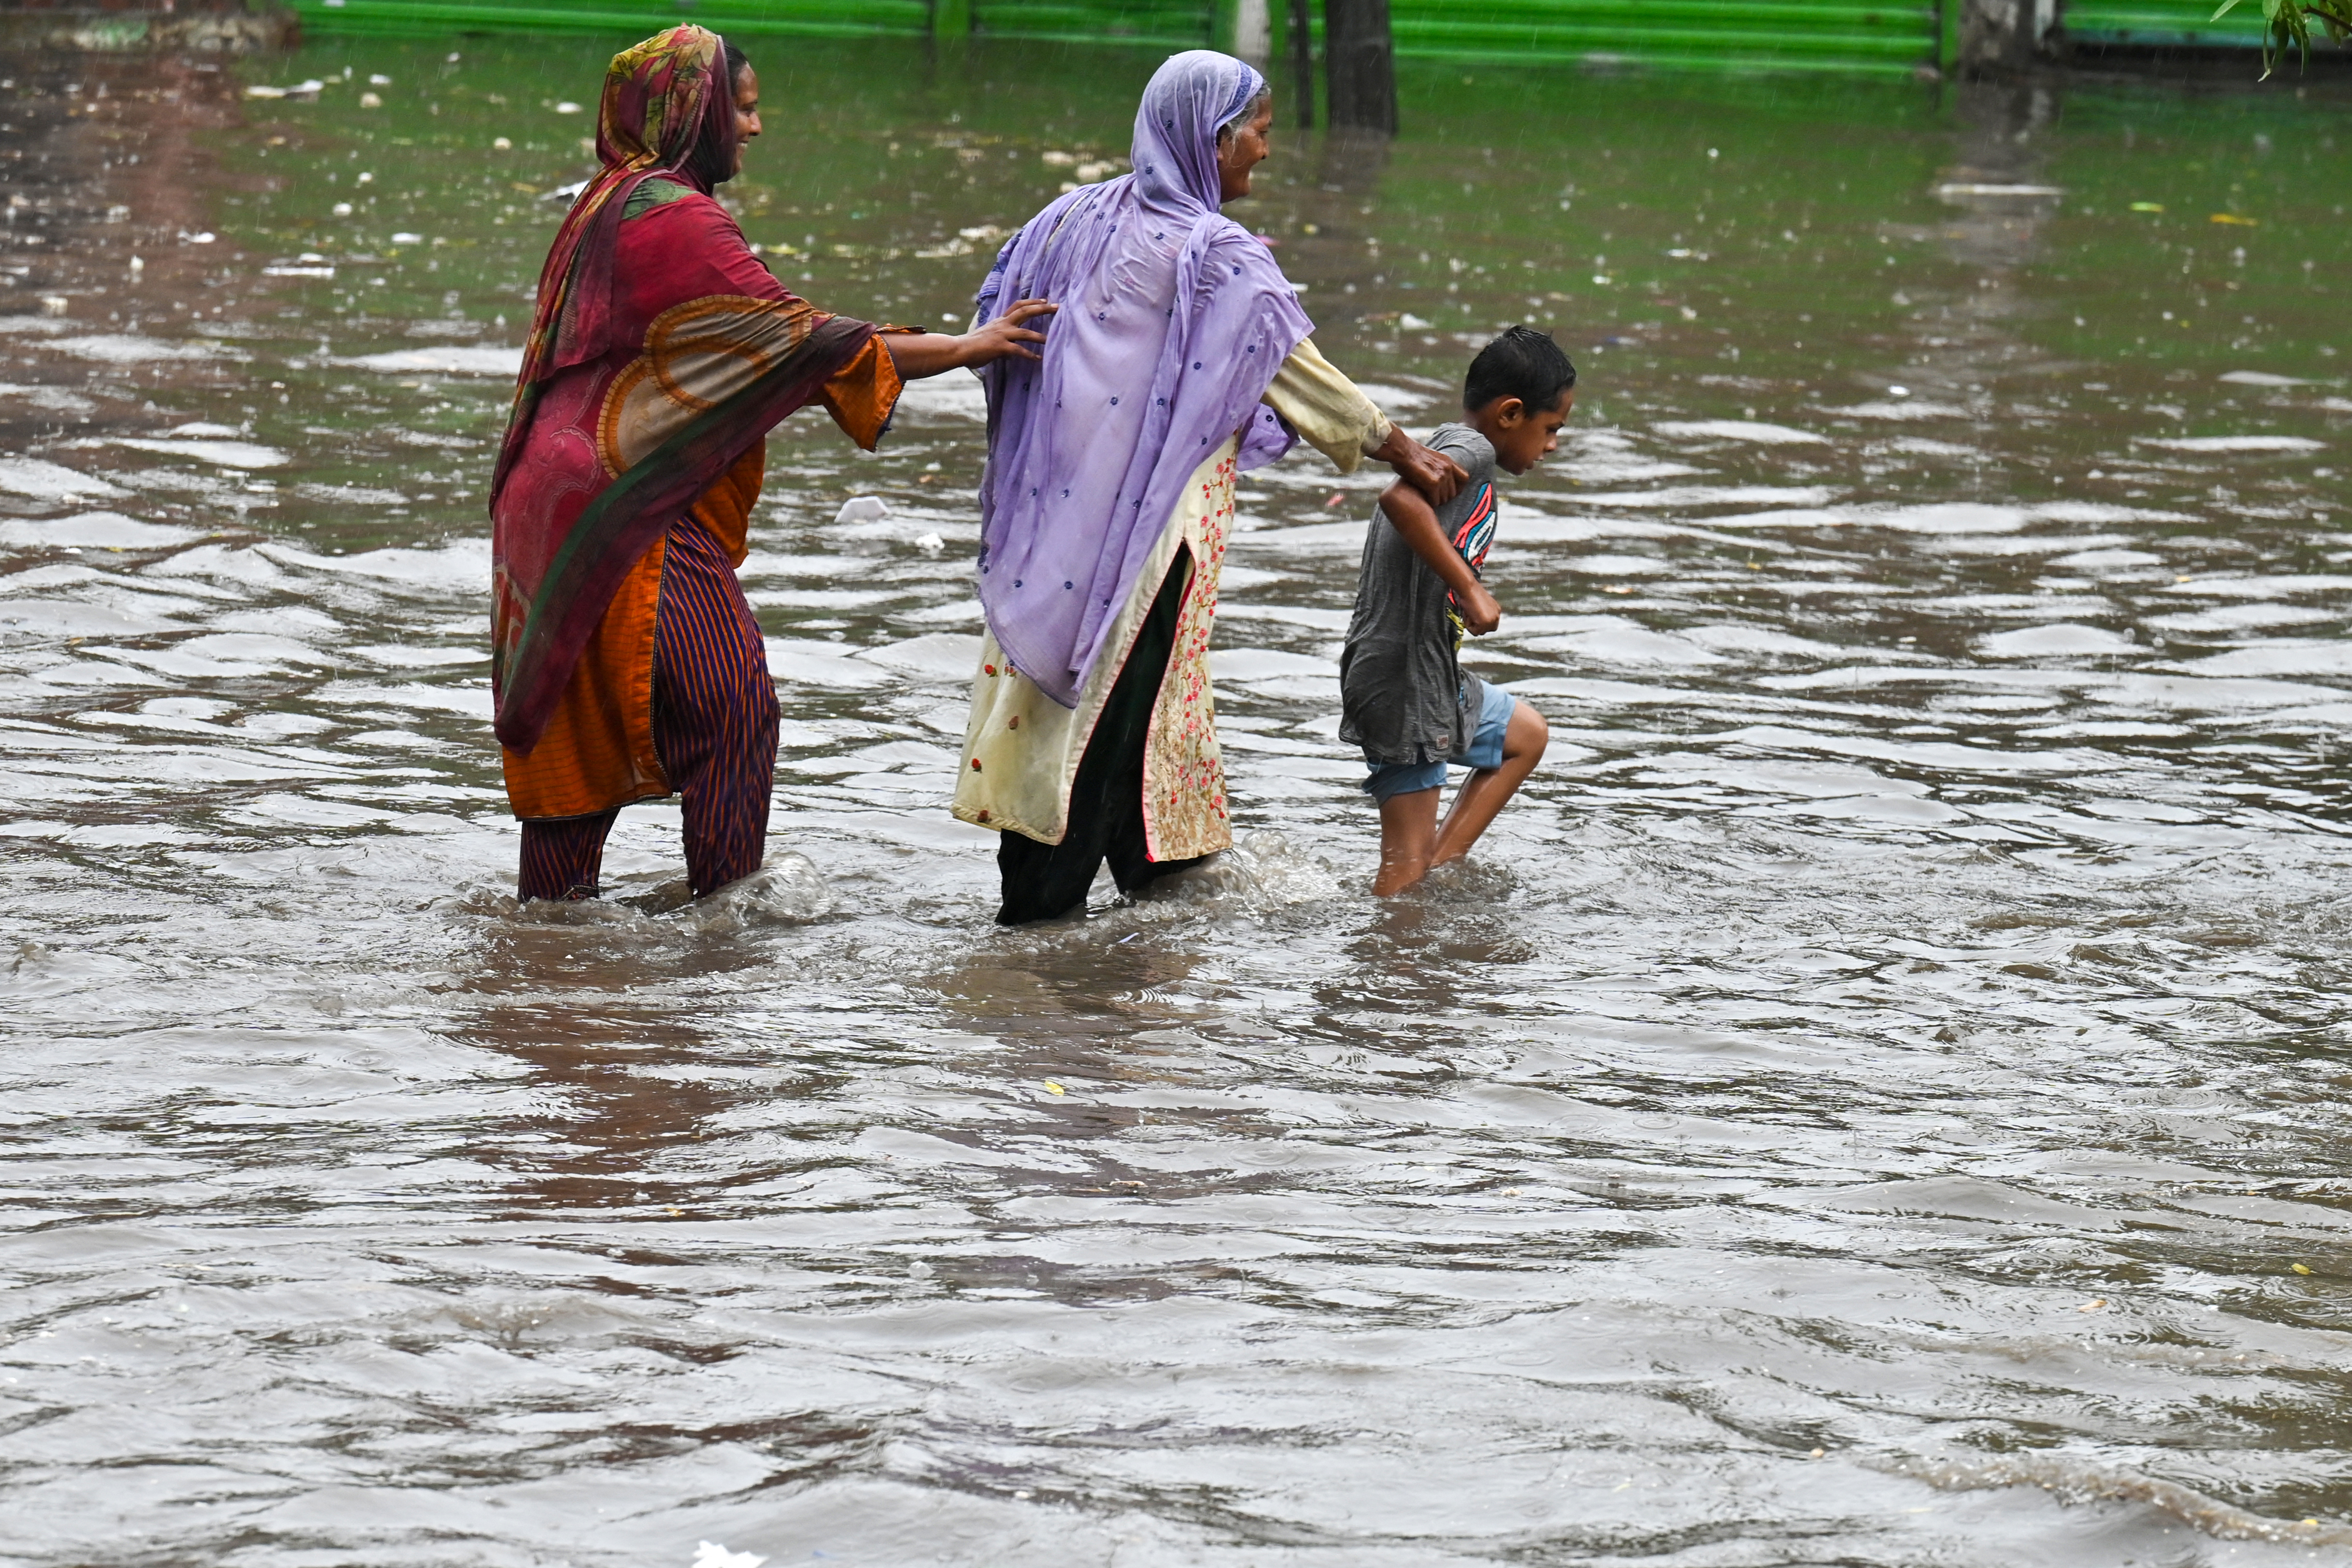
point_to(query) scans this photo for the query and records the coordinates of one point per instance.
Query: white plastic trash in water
(930, 544)
(707, 1554)
(863, 508)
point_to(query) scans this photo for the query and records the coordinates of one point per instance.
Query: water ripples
(1874, 1100)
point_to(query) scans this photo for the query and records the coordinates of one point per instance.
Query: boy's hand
(1480, 613)
(1433, 474)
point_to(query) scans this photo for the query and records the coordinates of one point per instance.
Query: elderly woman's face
(1243, 151)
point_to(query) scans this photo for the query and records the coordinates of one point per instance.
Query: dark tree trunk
(1359, 65)
(1302, 61)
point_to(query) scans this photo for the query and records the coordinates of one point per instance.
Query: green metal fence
(835, 17)
(1878, 37)
(1854, 36)
(1886, 38)
(2166, 24)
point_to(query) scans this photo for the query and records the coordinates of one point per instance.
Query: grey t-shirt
(1402, 696)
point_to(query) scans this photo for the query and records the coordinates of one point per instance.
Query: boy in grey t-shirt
(1402, 696)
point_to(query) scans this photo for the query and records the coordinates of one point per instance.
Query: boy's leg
(1408, 833)
(1484, 794)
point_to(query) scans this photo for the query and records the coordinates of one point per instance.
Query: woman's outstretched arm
(1332, 414)
(918, 354)
(1433, 474)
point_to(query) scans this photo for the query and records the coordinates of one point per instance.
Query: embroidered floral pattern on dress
(1184, 811)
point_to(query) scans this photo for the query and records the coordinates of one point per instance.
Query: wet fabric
(565, 858)
(1492, 725)
(714, 728)
(661, 354)
(1404, 695)
(1174, 319)
(1107, 820)
(1028, 747)
(1022, 750)
(665, 105)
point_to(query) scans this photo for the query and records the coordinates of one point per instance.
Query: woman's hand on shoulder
(1433, 474)
(920, 354)
(1006, 337)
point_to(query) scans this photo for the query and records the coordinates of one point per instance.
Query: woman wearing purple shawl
(1179, 358)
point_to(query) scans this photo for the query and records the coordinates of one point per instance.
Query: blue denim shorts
(1485, 750)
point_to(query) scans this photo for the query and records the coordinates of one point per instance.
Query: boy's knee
(1529, 733)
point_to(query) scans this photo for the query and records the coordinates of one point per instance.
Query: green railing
(834, 18)
(1863, 36)
(1871, 37)
(2168, 24)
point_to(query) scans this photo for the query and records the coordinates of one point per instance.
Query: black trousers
(1106, 817)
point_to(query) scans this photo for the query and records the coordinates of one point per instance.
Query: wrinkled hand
(1480, 613)
(1004, 337)
(1434, 475)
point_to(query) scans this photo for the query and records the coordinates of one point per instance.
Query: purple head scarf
(1173, 321)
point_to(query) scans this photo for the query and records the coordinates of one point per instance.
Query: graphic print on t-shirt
(1477, 529)
(1471, 541)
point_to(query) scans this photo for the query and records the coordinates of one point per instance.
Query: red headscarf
(668, 108)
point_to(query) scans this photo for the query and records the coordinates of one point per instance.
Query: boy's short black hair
(1523, 363)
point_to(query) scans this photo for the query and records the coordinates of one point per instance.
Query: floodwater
(1876, 1100)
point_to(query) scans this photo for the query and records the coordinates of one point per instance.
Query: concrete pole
(1253, 31)
(2007, 37)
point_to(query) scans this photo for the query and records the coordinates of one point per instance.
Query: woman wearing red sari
(625, 662)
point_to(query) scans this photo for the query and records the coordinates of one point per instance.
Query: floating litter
(710, 1554)
(2148, 206)
(863, 508)
(1984, 190)
(930, 544)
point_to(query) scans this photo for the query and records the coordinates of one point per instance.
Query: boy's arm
(1409, 514)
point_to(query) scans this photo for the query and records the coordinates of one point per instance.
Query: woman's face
(1243, 151)
(747, 112)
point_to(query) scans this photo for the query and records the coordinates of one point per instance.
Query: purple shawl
(1173, 321)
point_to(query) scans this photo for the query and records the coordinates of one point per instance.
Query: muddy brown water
(1877, 1099)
